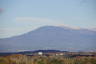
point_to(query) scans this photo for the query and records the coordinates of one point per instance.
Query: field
(41, 59)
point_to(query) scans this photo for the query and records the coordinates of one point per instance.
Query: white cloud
(32, 24)
(25, 27)
(71, 27)
(33, 19)
(9, 32)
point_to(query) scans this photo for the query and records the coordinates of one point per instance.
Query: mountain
(52, 37)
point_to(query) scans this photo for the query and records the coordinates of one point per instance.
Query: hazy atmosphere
(21, 16)
(47, 31)
(47, 24)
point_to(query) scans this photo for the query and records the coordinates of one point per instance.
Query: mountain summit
(52, 37)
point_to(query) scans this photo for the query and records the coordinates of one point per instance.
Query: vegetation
(23, 59)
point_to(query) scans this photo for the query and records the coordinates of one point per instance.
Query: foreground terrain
(46, 59)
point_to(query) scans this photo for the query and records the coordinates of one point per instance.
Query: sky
(20, 16)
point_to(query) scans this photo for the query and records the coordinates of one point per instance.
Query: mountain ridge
(63, 27)
(52, 37)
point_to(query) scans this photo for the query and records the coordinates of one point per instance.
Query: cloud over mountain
(32, 19)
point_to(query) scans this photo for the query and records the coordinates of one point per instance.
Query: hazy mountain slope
(52, 37)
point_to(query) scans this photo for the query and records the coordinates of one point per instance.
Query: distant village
(53, 53)
(65, 54)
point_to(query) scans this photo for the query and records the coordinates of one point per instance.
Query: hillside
(52, 37)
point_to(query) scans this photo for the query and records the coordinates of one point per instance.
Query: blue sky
(21, 16)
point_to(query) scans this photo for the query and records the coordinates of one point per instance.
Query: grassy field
(23, 59)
